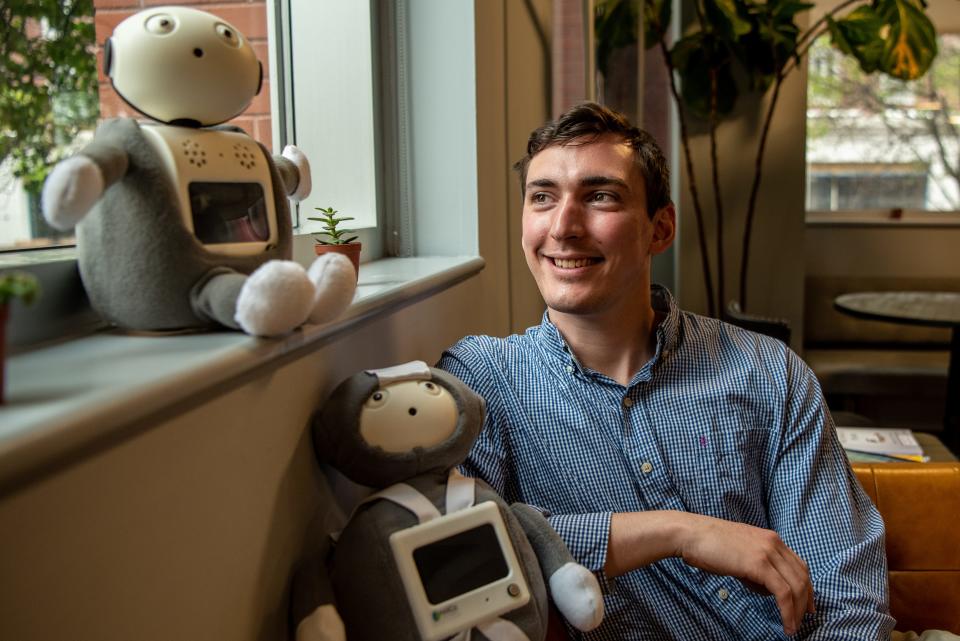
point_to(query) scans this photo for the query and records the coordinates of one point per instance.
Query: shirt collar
(664, 306)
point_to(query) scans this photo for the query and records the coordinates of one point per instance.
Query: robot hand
(299, 159)
(576, 593)
(324, 624)
(70, 191)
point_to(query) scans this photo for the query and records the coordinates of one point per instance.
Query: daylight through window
(876, 143)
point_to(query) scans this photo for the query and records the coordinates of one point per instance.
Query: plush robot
(182, 224)
(400, 567)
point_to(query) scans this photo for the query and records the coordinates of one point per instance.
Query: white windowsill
(882, 219)
(66, 398)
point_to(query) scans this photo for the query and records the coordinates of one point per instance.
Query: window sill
(74, 396)
(909, 219)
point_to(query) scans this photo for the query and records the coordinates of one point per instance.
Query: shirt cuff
(587, 537)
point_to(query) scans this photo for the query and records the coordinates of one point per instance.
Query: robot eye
(431, 388)
(228, 34)
(377, 399)
(161, 24)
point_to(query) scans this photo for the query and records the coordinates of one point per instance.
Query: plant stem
(754, 190)
(717, 197)
(697, 208)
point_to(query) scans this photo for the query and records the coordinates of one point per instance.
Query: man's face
(587, 237)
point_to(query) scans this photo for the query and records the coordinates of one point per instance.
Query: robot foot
(275, 299)
(577, 595)
(335, 282)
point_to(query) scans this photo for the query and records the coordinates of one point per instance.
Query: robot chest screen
(223, 184)
(228, 212)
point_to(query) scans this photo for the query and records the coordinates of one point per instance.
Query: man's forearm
(638, 539)
(756, 556)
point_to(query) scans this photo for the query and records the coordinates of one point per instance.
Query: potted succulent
(334, 239)
(13, 285)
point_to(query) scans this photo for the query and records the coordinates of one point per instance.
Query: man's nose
(568, 220)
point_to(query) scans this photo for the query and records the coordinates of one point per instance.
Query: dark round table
(932, 309)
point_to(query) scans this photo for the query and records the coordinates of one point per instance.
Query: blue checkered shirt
(722, 422)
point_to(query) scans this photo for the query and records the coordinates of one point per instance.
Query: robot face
(182, 66)
(408, 414)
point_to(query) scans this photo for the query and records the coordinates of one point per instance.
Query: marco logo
(438, 614)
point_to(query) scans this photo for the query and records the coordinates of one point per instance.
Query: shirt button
(647, 467)
(569, 369)
(628, 402)
(723, 594)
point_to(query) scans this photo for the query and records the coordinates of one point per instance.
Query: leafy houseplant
(13, 285)
(334, 239)
(734, 47)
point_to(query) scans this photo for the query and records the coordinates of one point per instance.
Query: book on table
(880, 444)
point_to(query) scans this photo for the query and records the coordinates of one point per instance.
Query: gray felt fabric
(551, 551)
(289, 174)
(139, 263)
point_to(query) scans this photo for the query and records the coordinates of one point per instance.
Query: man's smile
(574, 263)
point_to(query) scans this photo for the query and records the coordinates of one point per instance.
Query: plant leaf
(911, 39)
(656, 21)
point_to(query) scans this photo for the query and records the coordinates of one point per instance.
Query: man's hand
(755, 556)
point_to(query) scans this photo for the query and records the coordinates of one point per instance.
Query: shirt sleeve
(820, 510)
(490, 459)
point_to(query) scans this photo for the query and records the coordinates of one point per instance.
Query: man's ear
(664, 229)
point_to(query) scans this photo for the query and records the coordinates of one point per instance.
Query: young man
(692, 464)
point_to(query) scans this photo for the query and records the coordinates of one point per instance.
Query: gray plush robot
(181, 224)
(418, 560)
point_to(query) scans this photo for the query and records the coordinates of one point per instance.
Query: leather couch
(920, 504)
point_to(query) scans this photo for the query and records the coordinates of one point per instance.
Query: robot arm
(76, 184)
(294, 169)
(574, 589)
(314, 616)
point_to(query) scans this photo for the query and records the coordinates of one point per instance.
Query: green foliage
(615, 24)
(18, 285)
(757, 40)
(48, 82)
(334, 235)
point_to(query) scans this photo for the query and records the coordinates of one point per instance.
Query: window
(48, 106)
(51, 96)
(875, 143)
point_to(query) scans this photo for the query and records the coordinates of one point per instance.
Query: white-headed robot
(183, 224)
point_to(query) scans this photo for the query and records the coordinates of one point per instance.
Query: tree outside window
(48, 97)
(877, 143)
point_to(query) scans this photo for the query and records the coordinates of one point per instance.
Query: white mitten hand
(324, 624)
(577, 595)
(299, 159)
(275, 299)
(72, 188)
(335, 283)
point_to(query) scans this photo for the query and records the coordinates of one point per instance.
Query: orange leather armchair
(920, 504)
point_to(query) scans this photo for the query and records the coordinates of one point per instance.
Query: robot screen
(460, 563)
(228, 212)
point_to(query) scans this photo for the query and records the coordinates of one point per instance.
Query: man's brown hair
(588, 121)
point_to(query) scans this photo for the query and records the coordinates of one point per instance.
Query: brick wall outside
(569, 56)
(249, 17)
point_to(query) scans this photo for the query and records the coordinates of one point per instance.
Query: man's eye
(539, 198)
(601, 197)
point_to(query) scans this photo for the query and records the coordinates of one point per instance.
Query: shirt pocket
(727, 479)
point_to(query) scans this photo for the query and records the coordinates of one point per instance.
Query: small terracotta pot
(350, 250)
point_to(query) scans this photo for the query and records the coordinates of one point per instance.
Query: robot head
(182, 66)
(378, 433)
